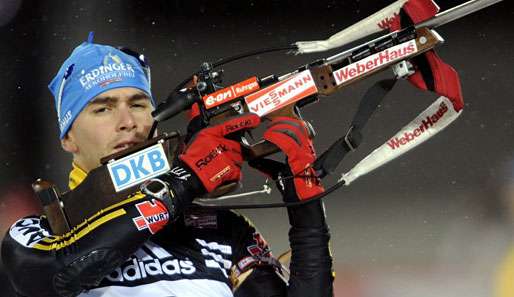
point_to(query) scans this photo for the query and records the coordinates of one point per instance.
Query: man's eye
(100, 110)
(139, 105)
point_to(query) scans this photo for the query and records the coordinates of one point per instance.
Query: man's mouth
(124, 145)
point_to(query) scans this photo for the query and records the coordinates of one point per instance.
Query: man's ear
(68, 143)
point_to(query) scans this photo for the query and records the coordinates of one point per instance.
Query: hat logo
(111, 70)
(115, 58)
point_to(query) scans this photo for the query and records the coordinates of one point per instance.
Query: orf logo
(138, 167)
(153, 216)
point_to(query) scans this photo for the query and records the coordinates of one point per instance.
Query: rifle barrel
(456, 12)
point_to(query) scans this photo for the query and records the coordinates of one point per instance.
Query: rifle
(284, 95)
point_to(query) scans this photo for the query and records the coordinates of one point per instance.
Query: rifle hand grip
(265, 148)
(259, 150)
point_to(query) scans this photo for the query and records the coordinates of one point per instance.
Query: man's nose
(126, 121)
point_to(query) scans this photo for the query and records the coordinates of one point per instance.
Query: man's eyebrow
(139, 96)
(113, 99)
(104, 100)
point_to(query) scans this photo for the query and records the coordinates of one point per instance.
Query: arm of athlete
(311, 263)
(41, 264)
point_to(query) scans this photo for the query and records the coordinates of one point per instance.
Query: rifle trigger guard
(348, 141)
(310, 130)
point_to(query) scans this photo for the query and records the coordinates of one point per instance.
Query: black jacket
(197, 255)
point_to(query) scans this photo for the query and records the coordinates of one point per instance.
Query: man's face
(113, 121)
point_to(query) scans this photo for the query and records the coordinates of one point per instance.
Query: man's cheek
(146, 123)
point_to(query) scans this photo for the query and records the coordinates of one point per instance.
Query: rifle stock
(325, 80)
(52, 206)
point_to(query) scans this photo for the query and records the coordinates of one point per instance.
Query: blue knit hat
(91, 70)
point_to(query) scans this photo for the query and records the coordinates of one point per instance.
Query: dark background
(422, 217)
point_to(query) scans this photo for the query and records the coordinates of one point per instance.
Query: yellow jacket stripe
(89, 228)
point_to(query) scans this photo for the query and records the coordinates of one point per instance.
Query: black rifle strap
(330, 159)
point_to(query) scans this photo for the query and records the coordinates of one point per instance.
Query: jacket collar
(77, 175)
